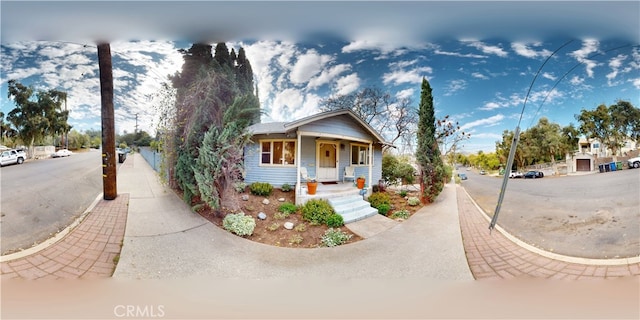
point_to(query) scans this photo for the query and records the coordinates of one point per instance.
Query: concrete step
(352, 208)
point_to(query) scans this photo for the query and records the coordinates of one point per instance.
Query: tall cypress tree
(432, 172)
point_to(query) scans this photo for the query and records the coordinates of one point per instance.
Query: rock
(265, 201)
(281, 199)
(245, 197)
(288, 225)
(262, 215)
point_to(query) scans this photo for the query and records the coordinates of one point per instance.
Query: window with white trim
(359, 154)
(278, 152)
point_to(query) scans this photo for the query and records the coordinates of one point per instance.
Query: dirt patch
(271, 230)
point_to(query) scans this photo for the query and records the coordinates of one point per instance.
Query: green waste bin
(619, 165)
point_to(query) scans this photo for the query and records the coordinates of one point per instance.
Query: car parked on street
(463, 176)
(12, 156)
(482, 172)
(533, 174)
(634, 162)
(515, 174)
(61, 153)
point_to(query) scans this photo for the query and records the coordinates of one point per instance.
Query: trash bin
(619, 165)
(613, 166)
(121, 157)
(601, 168)
(607, 168)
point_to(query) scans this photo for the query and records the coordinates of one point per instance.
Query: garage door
(583, 165)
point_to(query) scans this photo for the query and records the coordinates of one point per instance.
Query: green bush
(286, 187)
(335, 221)
(383, 209)
(379, 198)
(334, 237)
(317, 211)
(239, 224)
(261, 188)
(403, 193)
(413, 201)
(288, 208)
(404, 214)
(280, 216)
(239, 186)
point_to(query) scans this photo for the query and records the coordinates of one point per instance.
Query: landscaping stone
(265, 201)
(262, 215)
(281, 199)
(245, 197)
(288, 225)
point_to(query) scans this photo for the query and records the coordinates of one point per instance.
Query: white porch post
(298, 160)
(370, 168)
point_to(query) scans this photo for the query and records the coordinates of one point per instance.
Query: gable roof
(284, 127)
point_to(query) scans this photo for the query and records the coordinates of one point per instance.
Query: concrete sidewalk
(164, 239)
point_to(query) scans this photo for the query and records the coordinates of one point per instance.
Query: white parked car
(62, 153)
(12, 156)
(516, 174)
(634, 162)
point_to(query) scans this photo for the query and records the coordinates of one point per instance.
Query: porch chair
(349, 173)
(304, 174)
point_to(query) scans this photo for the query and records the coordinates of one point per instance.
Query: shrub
(334, 237)
(317, 211)
(383, 209)
(296, 239)
(300, 227)
(379, 198)
(286, 187)
(239, 224)
(261, 188)
(280, 216)
(288, 208)
(273, 227)
(413, 201)
(239, 186)
(404, 214)
(403, 193)
(375, 188)
(335, 221)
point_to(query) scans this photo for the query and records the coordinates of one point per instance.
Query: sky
(485, 61)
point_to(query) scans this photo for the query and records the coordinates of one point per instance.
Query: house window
(359, 154)
(278, 152)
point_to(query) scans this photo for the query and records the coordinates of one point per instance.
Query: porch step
(352, 208)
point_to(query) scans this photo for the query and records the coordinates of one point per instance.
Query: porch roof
(285, 127)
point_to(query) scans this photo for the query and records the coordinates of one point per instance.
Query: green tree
(625, 118)
(37, 114)
(6, 131)
(428, 152)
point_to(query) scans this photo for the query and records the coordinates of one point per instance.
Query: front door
(327, 160)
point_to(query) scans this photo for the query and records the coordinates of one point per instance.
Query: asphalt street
(590, 216)
(41, 197)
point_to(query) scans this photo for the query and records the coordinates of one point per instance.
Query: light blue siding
(339, 125)
(274, 175)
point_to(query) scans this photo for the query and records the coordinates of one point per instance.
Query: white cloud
(347, 84)
(524, 50)
(636, 83)
(491, 106)
(615, 64)
(589, 47)
(398, 75)
(486, 122)
(488, 49)
(404, 94)
(479, 75)
(459, 55)
(549, 76)
(308, 65)
(455, 86)
(328, 75)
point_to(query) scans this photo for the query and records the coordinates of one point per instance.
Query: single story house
(322, 145)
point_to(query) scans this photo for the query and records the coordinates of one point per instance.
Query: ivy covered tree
(214, 103)
(432, 171)
(38, 114)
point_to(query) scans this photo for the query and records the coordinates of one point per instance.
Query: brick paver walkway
(88, 251)
(494, 256)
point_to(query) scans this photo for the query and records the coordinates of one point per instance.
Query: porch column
(370, 168)
(298, 160)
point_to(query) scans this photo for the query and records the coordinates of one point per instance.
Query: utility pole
(136, 129)
(109, 184)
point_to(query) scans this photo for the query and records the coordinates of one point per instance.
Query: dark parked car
(533, 174)
(463, 176)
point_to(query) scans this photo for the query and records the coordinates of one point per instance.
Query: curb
(59, 236)
(551, 255)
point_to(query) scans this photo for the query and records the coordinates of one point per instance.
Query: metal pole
(505, 178)
(108, 124)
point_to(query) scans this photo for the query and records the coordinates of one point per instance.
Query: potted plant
(312, 185)
(360, 181)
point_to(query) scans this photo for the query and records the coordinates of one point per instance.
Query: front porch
(326, 191)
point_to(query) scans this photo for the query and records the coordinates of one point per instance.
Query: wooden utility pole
(109, 184)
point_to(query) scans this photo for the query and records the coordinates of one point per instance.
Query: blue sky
(479, 57)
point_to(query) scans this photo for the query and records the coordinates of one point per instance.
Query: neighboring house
(324, 144)
(591, 152)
